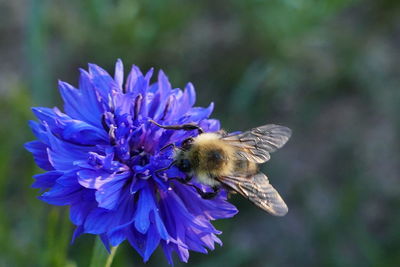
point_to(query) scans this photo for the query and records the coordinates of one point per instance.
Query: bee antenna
(167, 146)
(185, 127)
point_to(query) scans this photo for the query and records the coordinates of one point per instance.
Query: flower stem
(100, 256)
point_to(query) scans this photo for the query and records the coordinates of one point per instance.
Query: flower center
(139, 157)
(139, 163)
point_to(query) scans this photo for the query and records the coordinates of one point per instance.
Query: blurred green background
(330, 70)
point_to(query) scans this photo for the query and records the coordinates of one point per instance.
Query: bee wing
(258, 190)
(256, 144)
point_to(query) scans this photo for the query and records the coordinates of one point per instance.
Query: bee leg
(185, 180)
(204, 195)
(167, 146)
(165, 168)
(186, 127)
(188, 179)
(209, 195)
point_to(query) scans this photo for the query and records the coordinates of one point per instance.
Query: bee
(230, 161)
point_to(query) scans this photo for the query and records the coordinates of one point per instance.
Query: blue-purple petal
(98, 221)
(39, 131)
(80, 210)
(102, 82)
(119, 74)
(106, 242)
(39, 151)
(108, 195)
(81, 104)
(132, 80)
(46, 180)
(62, 195)
(153, 239)
(77, 232)
(145, 205)
(95, 179)
(76, 131)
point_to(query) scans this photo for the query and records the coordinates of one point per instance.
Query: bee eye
(187, 143)
(184, 165)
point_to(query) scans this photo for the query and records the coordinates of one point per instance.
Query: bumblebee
(230, 161)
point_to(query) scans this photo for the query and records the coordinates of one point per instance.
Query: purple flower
(101, 156)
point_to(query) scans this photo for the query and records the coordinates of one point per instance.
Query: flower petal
(62, 195)
(145, 205)
(46, 180)
(39, 151)
(62, 155)
(81, 104)
(102, 82)
(119, 74)
(108, 195)
(98, 221)
(96, 179)
(71, 130)
(80, 210)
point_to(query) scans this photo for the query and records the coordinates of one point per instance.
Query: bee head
(184, 165)
(182, 157)
(182, 161)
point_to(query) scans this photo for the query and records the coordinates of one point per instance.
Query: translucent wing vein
(256, 144)
(258, 190)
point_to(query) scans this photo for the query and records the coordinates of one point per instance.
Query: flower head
(102, 155)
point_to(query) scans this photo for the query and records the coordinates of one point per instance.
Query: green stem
(111, 257)
(100, 256)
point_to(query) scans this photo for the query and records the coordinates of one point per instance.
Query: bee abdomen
(245, 167)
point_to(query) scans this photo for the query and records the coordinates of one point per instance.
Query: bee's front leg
(208, 195)
(157, 172)
(168, 146)
(188, 178)
(204, 195)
